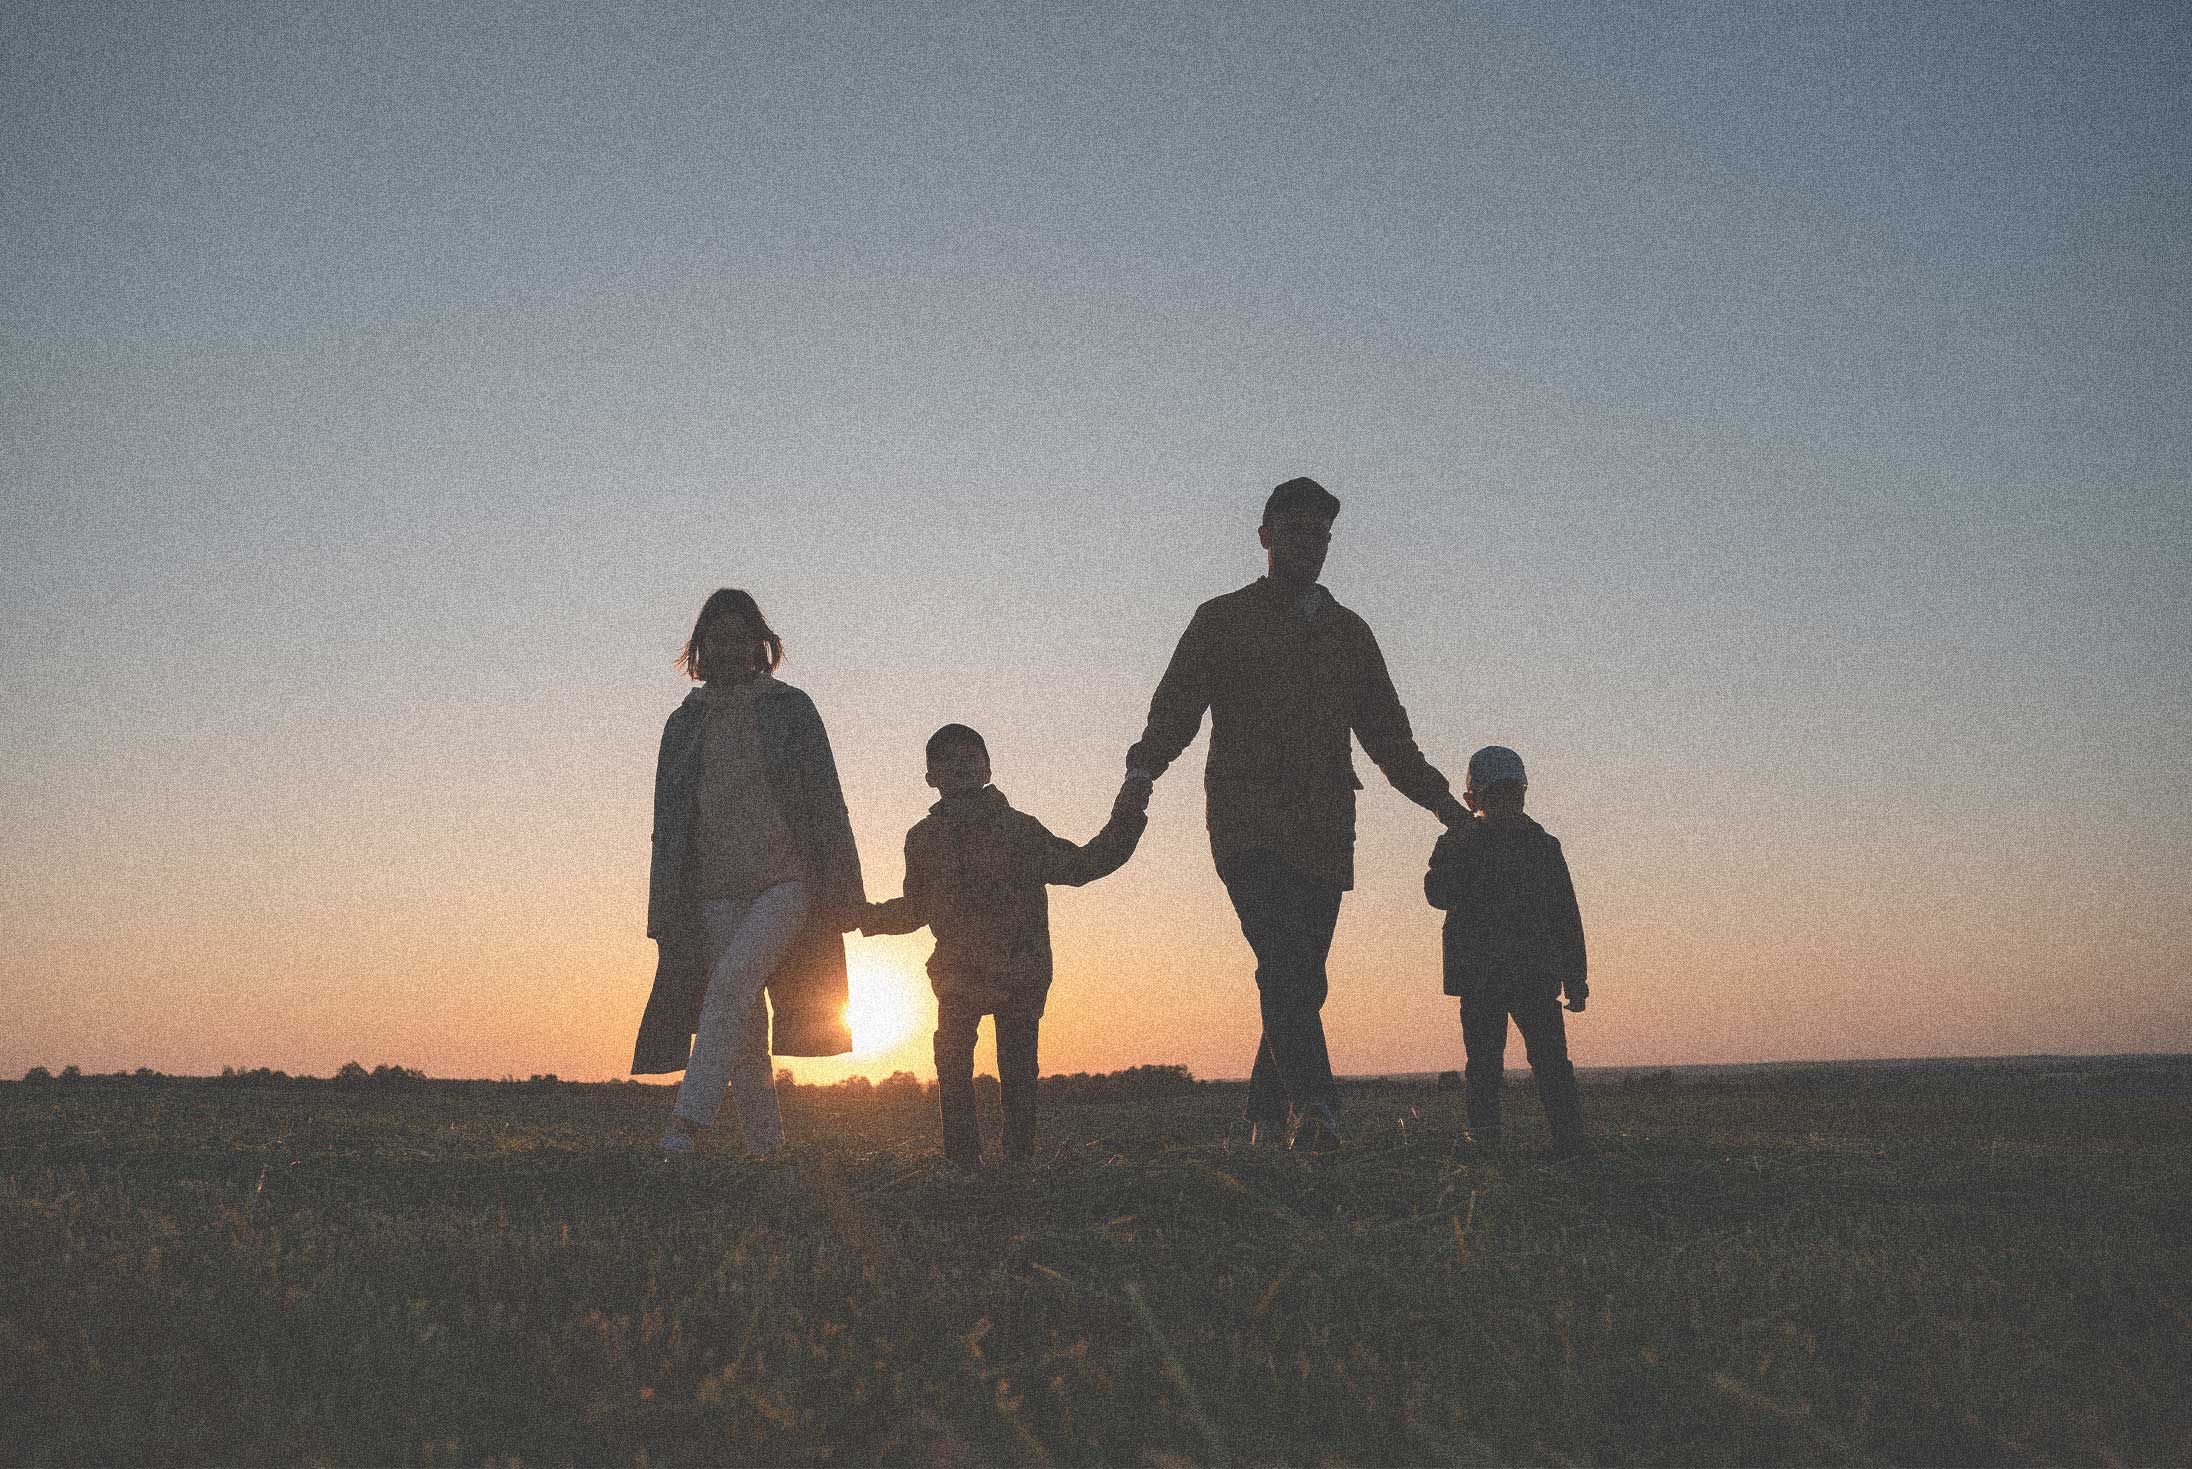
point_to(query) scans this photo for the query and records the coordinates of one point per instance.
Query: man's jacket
(1285, 691)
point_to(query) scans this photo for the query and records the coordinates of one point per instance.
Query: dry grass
(1936, 1266)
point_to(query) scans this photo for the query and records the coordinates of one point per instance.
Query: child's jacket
(976, 872)
(1511, 914)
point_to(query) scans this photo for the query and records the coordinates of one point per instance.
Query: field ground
(1938, 1264)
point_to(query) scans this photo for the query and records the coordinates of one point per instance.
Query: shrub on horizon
(900, 1086)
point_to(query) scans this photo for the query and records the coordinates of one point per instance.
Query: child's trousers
(1017, 1073)
(1535, 1007)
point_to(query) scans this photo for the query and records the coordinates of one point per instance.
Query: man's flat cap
(1301, 493)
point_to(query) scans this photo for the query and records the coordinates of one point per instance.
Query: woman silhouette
(754, 882)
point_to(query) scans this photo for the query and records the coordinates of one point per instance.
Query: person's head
(958, 760)
(1496, 784)
(731, 639)
(1297, 530)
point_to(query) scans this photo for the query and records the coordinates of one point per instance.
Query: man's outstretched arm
(1176, 709)
(1382, 726)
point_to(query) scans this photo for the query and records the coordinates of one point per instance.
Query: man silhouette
(1287, 674)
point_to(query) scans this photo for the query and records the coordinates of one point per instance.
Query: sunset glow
(884, 1008)
(1780, 447)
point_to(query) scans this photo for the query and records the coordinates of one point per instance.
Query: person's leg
(1545, 1039)
(955, 1027)
(1484, 1045)
(1019, 1076)
(1265, 1110)
(749, 936)
(1288, 918)
(753, 1068)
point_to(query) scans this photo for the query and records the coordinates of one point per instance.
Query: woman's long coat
(808, 991)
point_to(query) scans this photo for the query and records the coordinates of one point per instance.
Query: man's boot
(1483, 1108)
(962, 1133)
(1563, 1106)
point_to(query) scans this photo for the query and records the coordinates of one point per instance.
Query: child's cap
(1491, 765)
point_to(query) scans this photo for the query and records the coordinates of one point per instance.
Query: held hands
(1133, 797)
(1452, 814)
(1577, 1002)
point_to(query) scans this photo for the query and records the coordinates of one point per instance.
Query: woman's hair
(725, 602)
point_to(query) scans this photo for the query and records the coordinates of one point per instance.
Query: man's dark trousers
(1287, 917)
(1017, 1037)
(1535, 1006)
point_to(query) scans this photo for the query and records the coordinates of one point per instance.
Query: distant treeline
(1133, 1083)
(349, 1074)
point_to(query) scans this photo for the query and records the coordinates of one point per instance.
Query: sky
(1769, 418)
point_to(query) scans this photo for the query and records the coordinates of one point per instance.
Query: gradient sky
(1769, 418)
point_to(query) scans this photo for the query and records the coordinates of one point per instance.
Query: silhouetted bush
(38, 1074)
(350, 1073)
(1132, 1084)
(257, 1076)
(899, 1086)
(1449, 1081)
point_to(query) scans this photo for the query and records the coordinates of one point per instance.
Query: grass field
(1938, 1264)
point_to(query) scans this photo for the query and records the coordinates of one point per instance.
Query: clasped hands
(1133, 797)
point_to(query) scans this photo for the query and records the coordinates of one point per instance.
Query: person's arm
(659, 859)
(672, 819)
(1103, 854)
(1443, 881)
(1382, 726)
(1567, 920)
(840, 894)
(1176, 709)
(907, 913)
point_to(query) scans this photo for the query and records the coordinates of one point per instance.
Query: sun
(882, 1008)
